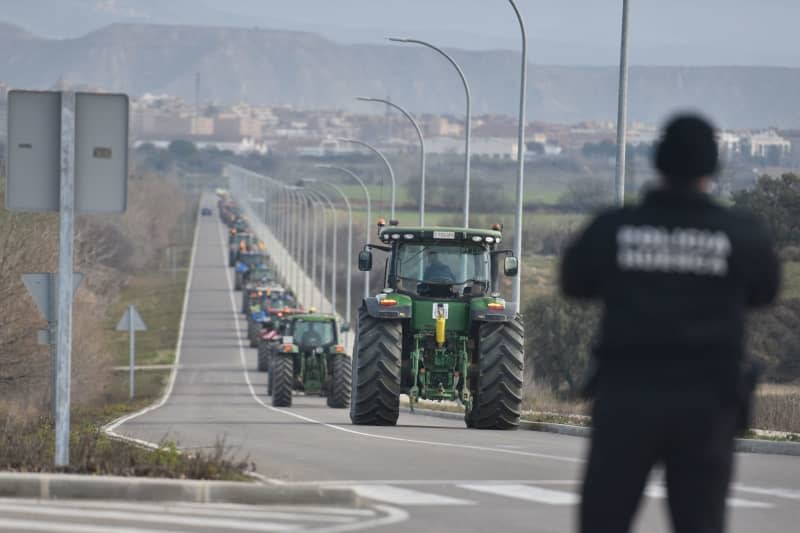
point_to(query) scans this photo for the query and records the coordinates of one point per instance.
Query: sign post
(132, 322)
(66, 151)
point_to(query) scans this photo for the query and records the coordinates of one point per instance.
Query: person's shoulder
(741, 221)
(610, 217)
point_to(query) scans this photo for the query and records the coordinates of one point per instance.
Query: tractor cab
(442, 263)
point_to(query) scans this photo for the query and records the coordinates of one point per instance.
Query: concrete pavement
(442, 475)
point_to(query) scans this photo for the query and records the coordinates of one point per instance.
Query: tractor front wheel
(282, 377)
(497, 396)
(263, 356)
(376, 371)
(341, 382)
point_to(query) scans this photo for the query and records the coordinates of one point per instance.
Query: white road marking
(347, 483)
(55, 511)
(660, 492)
(243, 359)
(400, 496)
(527, 493)
(12, 524)
(198, 509)
(393, 515)
(788, 494)
(110, 429)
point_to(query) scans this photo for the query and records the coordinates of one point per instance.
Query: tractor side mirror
(511, 266)
(365, 260)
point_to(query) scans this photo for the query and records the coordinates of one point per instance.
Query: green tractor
(309, 359)
(439, 330)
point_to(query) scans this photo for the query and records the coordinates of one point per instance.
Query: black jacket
(675, 276)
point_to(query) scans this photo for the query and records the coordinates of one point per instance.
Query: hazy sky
(673, 32)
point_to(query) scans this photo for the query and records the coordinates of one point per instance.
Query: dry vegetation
(27, 444)
(109, 250)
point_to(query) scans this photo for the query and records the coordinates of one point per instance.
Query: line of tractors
(298, 348)
(438, 330)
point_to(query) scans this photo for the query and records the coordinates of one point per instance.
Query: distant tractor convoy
(439, 330)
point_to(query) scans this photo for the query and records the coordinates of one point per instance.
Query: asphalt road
(442, 475)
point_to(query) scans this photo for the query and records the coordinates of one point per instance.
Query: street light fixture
(516, 295)
(388, 167)
(468, 121)
(421, 145)
(369, 211)
(622, 110)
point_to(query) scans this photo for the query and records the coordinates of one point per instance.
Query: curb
(79, 487)
(756, 446)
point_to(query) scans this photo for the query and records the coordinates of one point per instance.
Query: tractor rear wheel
(282, 377)
(252, 332)
(376, 371)
(341, 382)
(263, 356)
(497, 398)
(270, 373)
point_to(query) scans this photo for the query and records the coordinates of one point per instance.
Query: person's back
(675, 276)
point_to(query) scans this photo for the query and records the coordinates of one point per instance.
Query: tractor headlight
(395, 236)
(490, 239)
(476, 238)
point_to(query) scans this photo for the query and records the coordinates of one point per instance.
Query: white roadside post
(131, 322)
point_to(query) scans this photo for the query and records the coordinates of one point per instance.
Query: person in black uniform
(676, 276)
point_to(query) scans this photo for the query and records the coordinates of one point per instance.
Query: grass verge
(27, 446)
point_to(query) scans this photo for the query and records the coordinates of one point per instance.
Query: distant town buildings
(241, 127)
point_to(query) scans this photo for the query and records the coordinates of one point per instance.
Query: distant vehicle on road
(206, 212)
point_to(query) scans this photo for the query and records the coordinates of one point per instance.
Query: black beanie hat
(687, 151)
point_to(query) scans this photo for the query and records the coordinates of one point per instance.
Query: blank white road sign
(34, 151)
(34, 157)
(101, 153)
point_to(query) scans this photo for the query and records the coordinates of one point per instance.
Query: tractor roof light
(381, 222)
(497, 227)
(394, 222)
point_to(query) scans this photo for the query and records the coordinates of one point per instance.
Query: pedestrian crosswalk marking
(787, 494)
(528, 493)
(658, 491)
(402, 496)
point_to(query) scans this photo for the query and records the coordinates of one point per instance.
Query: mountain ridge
(306, 70)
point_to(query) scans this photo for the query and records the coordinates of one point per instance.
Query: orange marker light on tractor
(339, 348)
(287, 348)
(496, 306)
(388, 302)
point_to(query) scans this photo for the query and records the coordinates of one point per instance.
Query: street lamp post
(369, 212)
(348, 271)
(322, 201)
(422, 150)
(468, 120)
(516, 295)
(388, 168)
(622, 110)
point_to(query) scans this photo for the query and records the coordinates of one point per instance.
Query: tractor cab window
(313, 334)
(441, 269)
